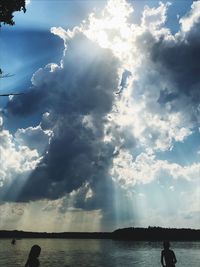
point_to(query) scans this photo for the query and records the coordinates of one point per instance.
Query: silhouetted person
(13, 242)
(168, 258)
(33, 257)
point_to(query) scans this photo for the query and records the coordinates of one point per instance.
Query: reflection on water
(94, 253)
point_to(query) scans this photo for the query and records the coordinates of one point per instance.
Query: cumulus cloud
(192, 19)
(160, 105)
(16, 162)
(153, 18)
(34, 138)
(150, 105)
(147, 168)
(76, 96)
(121, 93)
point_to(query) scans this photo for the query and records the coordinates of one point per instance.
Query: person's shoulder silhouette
(168, 258)
(33, 257)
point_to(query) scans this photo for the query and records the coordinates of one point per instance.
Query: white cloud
(28, 2)
(1, 122)
(139, 112)
(153, 18)
(138, 108)
(188, 21)
(151, 113)
(112, 30)
(15, 159)
(146, 168)
(34, 138)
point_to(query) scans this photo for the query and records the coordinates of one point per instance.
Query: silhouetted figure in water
(13, 242)
(33, 257)
(168, 258)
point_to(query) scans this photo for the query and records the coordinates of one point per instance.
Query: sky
(106, 134)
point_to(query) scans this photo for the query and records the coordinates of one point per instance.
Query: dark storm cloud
(166, 96)
(178, 61)
(74, 157)
(84, 84)
(124, 81)
(76, 98)
(107, 196)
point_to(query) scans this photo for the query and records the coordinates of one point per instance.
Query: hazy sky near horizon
(107, 134)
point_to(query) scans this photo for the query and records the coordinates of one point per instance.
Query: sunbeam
(100, 138)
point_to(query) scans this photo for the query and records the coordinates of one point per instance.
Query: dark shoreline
(134, 234)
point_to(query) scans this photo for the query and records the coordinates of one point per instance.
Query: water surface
(96, 253)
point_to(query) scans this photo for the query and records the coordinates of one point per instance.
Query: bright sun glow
(113, 117)
(112, 30)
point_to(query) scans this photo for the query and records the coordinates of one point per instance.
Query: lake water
(96, 253)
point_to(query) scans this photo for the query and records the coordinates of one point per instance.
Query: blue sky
(73, 149)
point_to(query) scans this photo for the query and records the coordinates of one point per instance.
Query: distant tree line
(134, 234)
(66, 235)
(157, 234)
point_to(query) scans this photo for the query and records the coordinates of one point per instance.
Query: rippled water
(91, 253)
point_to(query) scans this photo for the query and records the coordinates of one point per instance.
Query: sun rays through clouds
(122, 96)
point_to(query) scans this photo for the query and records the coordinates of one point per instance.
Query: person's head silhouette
(166, 244)
(33, 260)
(35, 252)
